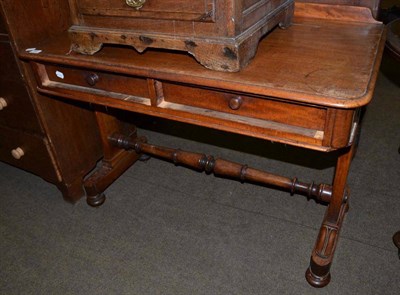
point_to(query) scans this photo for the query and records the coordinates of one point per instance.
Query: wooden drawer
(120, 86)
(242, 106)
(222, 35)
(35, 157)
(156, 9)
(16, 109)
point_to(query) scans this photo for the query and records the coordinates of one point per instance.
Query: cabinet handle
(92, 79)
(3, 103)
(235, 103)
(17, 153)
(137, 4)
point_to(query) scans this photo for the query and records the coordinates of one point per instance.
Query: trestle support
(223, 168)
(335, 195)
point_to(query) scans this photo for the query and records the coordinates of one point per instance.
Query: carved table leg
(318, 273)
(115, 160)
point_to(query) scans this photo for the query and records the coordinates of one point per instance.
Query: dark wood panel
(19, 112)
(3, 29)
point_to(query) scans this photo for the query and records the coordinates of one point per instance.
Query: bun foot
(317, 281)
(144, 157)
(97, 200)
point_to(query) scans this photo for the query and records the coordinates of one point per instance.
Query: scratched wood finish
(278, 70)
(221, 34)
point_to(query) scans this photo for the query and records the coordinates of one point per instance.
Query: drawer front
(31, 150)
(16, 109)
(246, 106)
(157, 9)
(119, 85)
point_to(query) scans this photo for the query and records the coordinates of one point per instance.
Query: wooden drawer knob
(17, 153)
(92, 79)
(235, 103)
(3, 103)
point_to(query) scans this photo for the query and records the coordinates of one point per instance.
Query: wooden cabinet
(222, 35)
(55, 140)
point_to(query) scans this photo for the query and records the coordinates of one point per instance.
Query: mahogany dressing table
(305, 87)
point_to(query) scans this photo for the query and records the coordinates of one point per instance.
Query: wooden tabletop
(329, 58)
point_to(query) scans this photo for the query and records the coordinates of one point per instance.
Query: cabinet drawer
(245, 106)
(96, 82)
(32, 150)
(16, 109)
(263, 117)
(180, 96)
(157, 9)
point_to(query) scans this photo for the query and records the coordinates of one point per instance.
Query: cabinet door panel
(17, 110)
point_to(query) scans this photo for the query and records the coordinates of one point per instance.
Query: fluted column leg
(318, 273)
